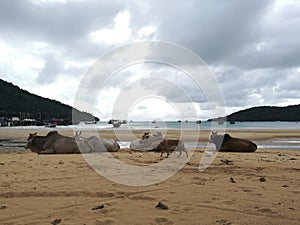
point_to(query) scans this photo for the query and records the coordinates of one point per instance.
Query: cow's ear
(34, 134)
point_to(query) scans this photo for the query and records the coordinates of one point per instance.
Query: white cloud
(153, 108)
(119, 33)
(146, 31)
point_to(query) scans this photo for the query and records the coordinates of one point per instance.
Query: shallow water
(284, 144)
(192, 125)
(287, 143)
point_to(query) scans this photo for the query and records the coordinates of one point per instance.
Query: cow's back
(65, 145)
(238, 145)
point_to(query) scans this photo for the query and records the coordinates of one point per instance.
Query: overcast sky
(251, 47)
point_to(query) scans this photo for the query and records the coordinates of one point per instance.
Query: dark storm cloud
(258, 87)
(245, 34)
(214, 30)
(220, 32)
(56, 22)
(64, 25)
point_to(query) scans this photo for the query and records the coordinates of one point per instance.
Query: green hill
(15, 102)
(266, 113)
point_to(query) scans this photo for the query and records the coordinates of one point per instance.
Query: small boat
(117, 123)
(221, 120)
(90, 122)
(51, 125)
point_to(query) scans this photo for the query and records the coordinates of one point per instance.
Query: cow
(97, 144)
(35, 142)
(54, 143)
(156, 142)
(226, 143)
(171, 144)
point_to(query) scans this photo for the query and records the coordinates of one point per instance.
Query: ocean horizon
(174, 125)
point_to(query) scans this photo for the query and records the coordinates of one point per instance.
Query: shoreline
(265, 139)
(255, 134)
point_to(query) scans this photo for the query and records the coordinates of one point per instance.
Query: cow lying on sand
(54, 143)
(156, 142)
(97, 144)
(226, 143)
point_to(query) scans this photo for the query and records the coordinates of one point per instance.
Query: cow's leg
(166, 148)
(187, 155)
(161, 147)
(180, 152)
(181, 148)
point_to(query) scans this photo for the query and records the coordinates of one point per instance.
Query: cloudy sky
(252, 48)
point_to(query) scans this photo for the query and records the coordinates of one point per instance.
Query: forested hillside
(15, 102)
(267, 113)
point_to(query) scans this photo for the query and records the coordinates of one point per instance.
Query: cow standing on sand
(156, 142)
(226, 143)
(171, 144)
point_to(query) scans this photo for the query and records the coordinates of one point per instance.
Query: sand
(249, 188)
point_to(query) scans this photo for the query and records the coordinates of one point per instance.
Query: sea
(205, 125)
(286, 143)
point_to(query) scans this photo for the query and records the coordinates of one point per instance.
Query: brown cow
(226, 143)
(169, 144)
(52, 143)
(156, 142)
(35, 142)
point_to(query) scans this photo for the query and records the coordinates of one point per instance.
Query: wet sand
(237, 188)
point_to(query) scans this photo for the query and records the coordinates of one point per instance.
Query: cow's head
(212, 136)
(30, 139)
(146, 135)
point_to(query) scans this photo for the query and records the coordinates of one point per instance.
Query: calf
(169, 144)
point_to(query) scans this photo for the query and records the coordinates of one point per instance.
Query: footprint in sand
(105, 222)
(163, 220)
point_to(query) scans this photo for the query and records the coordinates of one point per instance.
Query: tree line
(16, 102)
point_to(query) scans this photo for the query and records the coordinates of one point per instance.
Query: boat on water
(90, 122)
(117, 123)
(51, 125)
(231, 121)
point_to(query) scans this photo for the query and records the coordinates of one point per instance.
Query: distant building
(28, 122)
(4, 122)
(15, 121)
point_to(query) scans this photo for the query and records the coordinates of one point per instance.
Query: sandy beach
(237, 188)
